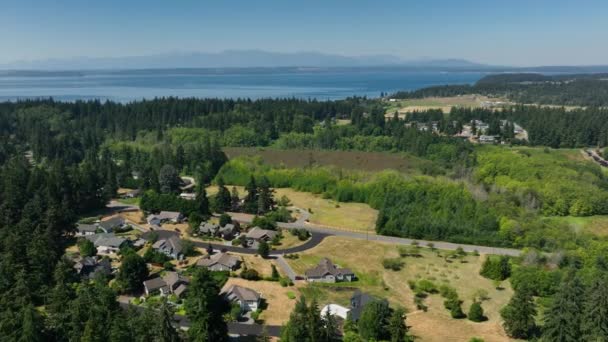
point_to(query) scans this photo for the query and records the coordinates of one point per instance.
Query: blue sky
(515, 32)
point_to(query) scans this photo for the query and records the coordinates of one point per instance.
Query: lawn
(365, 259)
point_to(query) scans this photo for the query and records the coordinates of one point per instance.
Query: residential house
(335, 310)
(85, 229)
(220, 262)
(171, 247)
(487, 139)
(228, 232)
(107, 243)
(112, 224)
(90, 267)
(165, 216)
(248, 299)
(357, 302)
(187, 196)
(258, 234)
(327, 272)
(132, 193)
(208, 228)
(169, 283)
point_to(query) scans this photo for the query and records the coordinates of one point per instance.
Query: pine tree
(374, 320)
(519, 314)
(235, 200)
(202, 202)
(563, 318)
(205, 308)
(166, 331)
(315, 322)
(296, 329)
(595, 312)
(330, 328)
(223, 200)
(250, 204)
(397, 327)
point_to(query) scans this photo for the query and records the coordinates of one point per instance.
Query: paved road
(316, 229)
(284, 265)
(320, 232)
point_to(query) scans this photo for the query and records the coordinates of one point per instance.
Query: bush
(225, 219)
(168, 266)
(250, 274)
(476, 312)
(291, 295)
(86, 248)
(427, 286)
(394, 264)
(496, 269)
(285, 282)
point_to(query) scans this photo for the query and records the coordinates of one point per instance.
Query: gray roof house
(85, 229)
(171, 247)
(90, 267)
(169, 283)
(357, 302)
(111, 224)
(165, 216)
(228, 231)
(220, 262)
(248, 299)
(208, 228)
(107, 243)
(259, 234)
(327, 272)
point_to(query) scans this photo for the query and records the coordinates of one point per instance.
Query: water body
(136, 85)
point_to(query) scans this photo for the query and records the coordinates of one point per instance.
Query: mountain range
(236, 59)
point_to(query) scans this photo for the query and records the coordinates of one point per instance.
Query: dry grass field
(327, 212)
(365, 259)
(348, 160)
(444, 104)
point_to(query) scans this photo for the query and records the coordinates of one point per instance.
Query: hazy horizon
(517, 33)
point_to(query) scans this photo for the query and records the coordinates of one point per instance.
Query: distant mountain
(234, 59)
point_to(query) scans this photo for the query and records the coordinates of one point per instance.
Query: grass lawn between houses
(365, 259)
(327, 212)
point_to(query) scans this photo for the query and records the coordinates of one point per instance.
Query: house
(228, 231)
(327, 272)
(132, 193)
(107, 243)
(220, 262)
(85, 229)
(208, 228)
(156, 285)
(165, 216)
(112, 224)
(169, 283)
(357, 302)
(171, 247)
(187, 196)
(90, 267)
(487, 139)
(248, 299)
(335, 310)
(258, 234)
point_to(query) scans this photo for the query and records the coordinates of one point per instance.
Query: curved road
(320, 232)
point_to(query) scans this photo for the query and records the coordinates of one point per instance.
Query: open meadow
(365, 259)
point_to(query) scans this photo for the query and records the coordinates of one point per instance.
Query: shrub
(291, 295)
(427, 286)
(476, 312)
(394, 264)
(250, 274)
